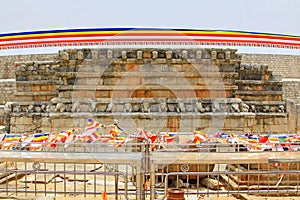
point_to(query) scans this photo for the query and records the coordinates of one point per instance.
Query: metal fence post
(152, 180)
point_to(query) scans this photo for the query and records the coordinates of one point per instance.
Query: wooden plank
(211, 183)
(230, 184)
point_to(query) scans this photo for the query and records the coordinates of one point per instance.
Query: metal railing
(134, 171)
(59, 173)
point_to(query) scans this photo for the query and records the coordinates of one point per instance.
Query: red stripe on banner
(245, 36)
(153, 41)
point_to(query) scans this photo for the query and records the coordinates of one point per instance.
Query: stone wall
(292, 89)
(7, 90)
(287, 66)
(7, 63)
(163, 89)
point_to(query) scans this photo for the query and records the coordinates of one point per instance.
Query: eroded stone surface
(194, 84)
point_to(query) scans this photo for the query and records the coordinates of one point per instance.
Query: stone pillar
(213, 55)
(184, 54)
(169, 55)
(154, 54)
(109, 54)
(199, 55)
(124, 55)
(139, 55)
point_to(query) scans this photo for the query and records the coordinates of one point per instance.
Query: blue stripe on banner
(66, 30)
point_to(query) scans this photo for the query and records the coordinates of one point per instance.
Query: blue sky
(270, 16)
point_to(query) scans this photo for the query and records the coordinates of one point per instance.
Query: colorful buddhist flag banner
(38, 141)
(200, 137)
(61, 137)
(168, 137)
(145, 36)
(147, 136)
(92, 126)
(92, 131)
(10, 141)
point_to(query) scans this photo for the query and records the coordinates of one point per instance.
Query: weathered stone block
(119, 108)
(147, 54)
(23, 120)
(161, 61)
(189, 107)
(63, 122)
(138, 94)
(46, 87)
(192, 81)
(131, 61)
(161, 93)
(78, 94)
(100, 94)
(177, 67)
(185, 93)
(169, 55)
(111, 81)
(130, 80)
(131, 67)
(280, 121)
(199, 55)
(234, 123)
(168, 80)
(139, 55)
(109, 54)
(124, 55)
(213, 55)
(268, 121)
(35, 88)
(154, 54)
(173, 122)
(120, 94)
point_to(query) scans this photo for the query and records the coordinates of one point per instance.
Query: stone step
(87, 74)
(265, 102)
(141, 100)
(40, 82)
(258, 82)
(259, 93)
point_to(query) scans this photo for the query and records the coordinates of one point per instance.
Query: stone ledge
(35, 93)
(258, 82)
(117, 87)
(35, 62)
(7, 80)
(265, 102)
(167, 114)
(140, 100)
(26, 114)
(259, 93)
(50, 72)
(41, 82)
(146, 74)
